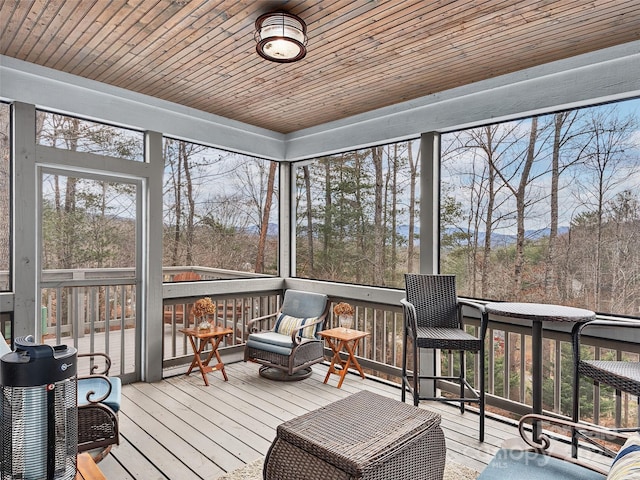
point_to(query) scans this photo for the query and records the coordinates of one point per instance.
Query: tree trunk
(70, 200)
(189, 234)
(521, 204)
(177, 188)
(326, 233)
(378, 228)
(264, 227)
(551, 277)
(394, 214)
(363, 225)
(307, 186)
(413, 176)
(486, 253)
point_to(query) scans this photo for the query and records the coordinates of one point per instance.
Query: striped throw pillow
(287, 324)
(626, 465)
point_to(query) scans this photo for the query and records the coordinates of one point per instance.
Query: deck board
(180, 429)
(161, 445)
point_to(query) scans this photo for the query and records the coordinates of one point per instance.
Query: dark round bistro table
(538, 313)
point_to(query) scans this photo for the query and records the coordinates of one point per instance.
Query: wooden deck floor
(179, 429)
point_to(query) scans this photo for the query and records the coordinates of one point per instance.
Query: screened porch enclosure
(152, 303)
(141, 170)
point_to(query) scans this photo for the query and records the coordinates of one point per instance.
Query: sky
(578, 189)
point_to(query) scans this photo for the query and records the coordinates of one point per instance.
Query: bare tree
(481, 207)
(188, 168)
(563, 133)
(378, 227)
(605, 167)
(413, 179)
(623, 252)
(393, 174)
(521, 202)
(309, 216)
(494, 143)
(175, 169)
(184, 157)
(69, 206)
(328, 210)
(266, 213)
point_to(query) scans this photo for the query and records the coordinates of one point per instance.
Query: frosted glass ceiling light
(281, 37)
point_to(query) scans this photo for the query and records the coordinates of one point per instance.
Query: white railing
(79, 308)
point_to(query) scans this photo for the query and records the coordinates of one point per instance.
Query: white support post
(286, 257)
(429, 239)
(25, 223)
(149, 264)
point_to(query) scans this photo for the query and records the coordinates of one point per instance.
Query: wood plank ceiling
(362, 54)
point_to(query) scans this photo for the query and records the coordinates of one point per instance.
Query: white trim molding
(602, 76)
(605, 75)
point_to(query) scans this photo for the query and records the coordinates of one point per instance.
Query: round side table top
(540, 311)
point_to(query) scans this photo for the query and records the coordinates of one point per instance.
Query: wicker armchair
(622, 375)
(98, 405)
(433, 319)
(287, 351)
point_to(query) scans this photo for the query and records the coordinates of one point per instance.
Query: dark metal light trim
(281, 37)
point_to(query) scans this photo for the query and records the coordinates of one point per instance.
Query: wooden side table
(345, 339)
(87, 468)
(213, 336)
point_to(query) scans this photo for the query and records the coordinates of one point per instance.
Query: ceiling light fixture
(281, 37)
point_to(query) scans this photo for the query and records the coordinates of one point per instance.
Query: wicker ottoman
(363, 436)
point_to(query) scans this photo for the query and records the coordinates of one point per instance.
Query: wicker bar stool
(361, 437)
(433, 320)
(622, 375)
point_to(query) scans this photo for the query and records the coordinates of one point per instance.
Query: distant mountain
(272, 230)
(502, 240)
(497, 239)
(403, 231)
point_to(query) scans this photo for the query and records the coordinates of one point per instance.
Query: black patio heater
(39, 407)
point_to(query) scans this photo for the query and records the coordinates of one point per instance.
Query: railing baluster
(596, 393)
(83, 303)
(557, 391)
(523, 368)
(505, 365)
